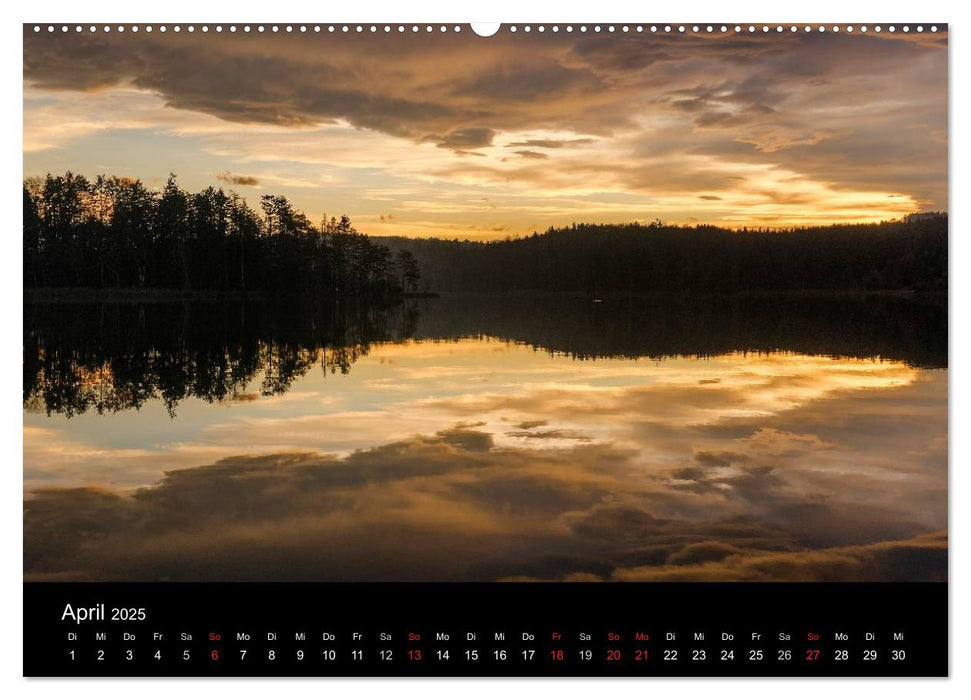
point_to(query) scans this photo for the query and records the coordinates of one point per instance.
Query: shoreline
(85, 295)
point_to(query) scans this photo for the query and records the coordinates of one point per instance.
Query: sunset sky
(456, 135)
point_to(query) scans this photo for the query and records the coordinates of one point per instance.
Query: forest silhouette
(114, 232)
(322, 295)
(908, 254)
(109, 357)
(105, 358)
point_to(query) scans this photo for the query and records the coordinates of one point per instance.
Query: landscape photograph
(582, 303)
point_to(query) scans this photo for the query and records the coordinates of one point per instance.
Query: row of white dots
(667, 28)
(247, 28)
(681, 28)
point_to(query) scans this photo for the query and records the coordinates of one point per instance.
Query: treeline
(911, 328)
(113, 357)
(116, 232)
(110, 357)
(910, 254)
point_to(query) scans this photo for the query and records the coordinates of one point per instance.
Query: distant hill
(910, 254)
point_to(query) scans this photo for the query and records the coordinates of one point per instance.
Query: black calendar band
(477, 629)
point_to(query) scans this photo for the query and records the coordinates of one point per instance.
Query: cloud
(549, 435)
(468, 138)
(710, 458)
(530, 424)
(801, 128)
(232, 179)
(550, 143)
(702, 552)
(536, 155)
(456, 506)
(917, 559)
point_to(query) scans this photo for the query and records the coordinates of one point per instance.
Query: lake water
(488, 438)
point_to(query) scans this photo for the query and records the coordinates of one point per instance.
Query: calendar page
(527, 350)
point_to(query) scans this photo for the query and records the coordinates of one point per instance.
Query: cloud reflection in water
(482, 460)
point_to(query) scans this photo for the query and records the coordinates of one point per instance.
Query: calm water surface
(482, 439)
